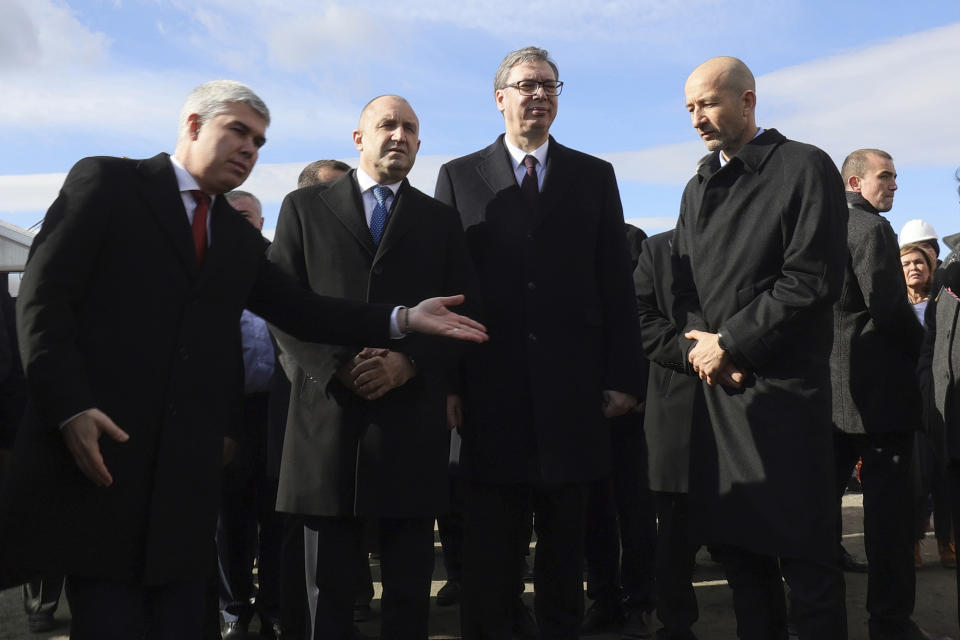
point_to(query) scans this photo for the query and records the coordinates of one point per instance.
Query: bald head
(721, 98)
(729, 73)
(388, 138)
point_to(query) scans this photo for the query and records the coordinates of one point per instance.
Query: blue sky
(108, 77)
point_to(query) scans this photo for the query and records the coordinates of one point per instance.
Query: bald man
(760, 253)
(366, 437)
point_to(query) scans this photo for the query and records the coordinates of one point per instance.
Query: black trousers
(292, 582)
(888, 520)
(953, 479)
(106, 610)
(450, 530)
(496, 518)
(621, 534)
(817, 595)
(248, 527)
(676, 558)
(406, 568)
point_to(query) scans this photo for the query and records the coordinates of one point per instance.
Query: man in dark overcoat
(366, 431)
(544, 227)
(876, 400)
(129, 317)
(760, 247)
(668, 417)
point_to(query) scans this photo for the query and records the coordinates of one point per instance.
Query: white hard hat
(916, 231)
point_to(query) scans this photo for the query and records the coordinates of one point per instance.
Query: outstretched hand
(82, 435)
(432, 316)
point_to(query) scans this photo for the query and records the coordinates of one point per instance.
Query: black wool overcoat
(559, 307)
(761, 251)
(116, 313)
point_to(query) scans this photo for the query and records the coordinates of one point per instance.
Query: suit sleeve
(624, 368)
(657, 332)
(686, 301)
(58, 273)
(878, 272)
(814, 262)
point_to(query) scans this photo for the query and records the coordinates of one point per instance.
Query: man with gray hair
(544, 226)
(129, 317)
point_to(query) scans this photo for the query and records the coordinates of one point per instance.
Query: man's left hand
(617, 403)
(378, 371)
(712, 363)
(432, 316)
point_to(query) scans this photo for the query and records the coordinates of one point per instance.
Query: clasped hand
(373, 372)
(712, 363)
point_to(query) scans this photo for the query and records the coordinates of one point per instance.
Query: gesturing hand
(82, 435)
(432, 316)
(377, 371)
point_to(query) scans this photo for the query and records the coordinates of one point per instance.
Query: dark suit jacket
(115, 313)
(559, 308)
(670, 393)
(344, 455)
(877, 337)
(761, 251)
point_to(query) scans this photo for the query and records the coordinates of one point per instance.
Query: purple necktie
(529, 188)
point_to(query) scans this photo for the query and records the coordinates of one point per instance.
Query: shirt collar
(366, 183)
(185, 181)
(724, 161)
(540, 153)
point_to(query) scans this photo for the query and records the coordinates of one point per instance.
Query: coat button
(377, 270)
(532, 337)
(531, 285)
(172, 409)
(182, 352)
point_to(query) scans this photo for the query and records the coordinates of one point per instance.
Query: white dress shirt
(520, 169)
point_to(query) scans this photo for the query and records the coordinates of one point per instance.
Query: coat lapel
(161, 195)
(343, 199)
(496, 170)
(402, 219)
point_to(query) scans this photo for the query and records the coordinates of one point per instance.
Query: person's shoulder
(581, 158)
(471, 159)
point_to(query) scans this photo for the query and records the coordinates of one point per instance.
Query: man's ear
(358, 139)
(749, 101)
(193, 125)
(854, 183)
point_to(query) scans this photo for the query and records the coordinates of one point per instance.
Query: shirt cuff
(64, 423)
(395, 333)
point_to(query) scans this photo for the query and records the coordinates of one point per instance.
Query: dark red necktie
(529, 188)
(200, 224)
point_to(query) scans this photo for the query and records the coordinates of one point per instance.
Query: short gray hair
(213, 98)
(856, 163)
(236, 194)
(522, 56)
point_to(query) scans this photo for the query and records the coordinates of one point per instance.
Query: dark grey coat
(876, 334)
(938, 369)
(670, 393)
(761, 249)
(343, 455)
